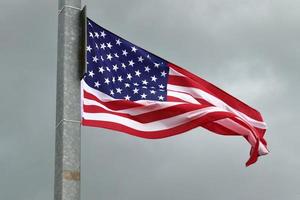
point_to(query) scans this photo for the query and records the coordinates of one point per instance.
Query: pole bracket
(67, 6)
(66, 120)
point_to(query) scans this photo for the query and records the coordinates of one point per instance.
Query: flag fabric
(131, 90)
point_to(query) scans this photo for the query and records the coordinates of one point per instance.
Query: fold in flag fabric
(131, 90)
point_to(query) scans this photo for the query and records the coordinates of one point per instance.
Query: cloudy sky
(249, 48)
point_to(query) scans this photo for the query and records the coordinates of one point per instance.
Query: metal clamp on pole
(67, 6)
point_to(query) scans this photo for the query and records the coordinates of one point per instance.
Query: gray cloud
(248, 48)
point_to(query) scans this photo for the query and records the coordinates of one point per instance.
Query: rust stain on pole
(71, 175)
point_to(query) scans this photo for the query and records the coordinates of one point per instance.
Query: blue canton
(121, 69)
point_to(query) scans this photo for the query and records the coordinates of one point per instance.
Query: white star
(153, 78)
(134, 49)
(143, 96)
(97, 84)
(161, 86)
(118, 42)
(90, 24)
(152, 91)
(91, 34)
(101, 70)
(97, 46)
(95, 59)
(161, 98)
(135, 91)
(123, 65)
(112, 92)
(109, 45)
(91, 73)
(102, 34)
(148, 56)
(102, 46)
(106, 80)
(124, 52)
(147, 69)
(127, 97)
(156, 65)
(141, 59)
(109, 57)
(131, 63)
(129, 76)
(102, 58)
(116, 55)
(127, 85)
(135, 84)
(144, 82)
(120, 79)
(137, 73)
(107, 69)
(115, 67)
(119, 90)
(88, 48)
(96, 34)
(163, 73)
(113, 79)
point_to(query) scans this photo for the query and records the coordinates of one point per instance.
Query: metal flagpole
(70, 66)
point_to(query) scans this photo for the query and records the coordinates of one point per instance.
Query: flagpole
(70, 62)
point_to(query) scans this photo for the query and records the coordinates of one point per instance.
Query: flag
(131, 90)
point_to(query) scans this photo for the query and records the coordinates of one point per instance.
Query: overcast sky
(248, 48)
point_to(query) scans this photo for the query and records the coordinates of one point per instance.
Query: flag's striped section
(248, 122)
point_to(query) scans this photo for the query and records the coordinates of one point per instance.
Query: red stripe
(149, 116)
(175, 99)
(192, 80)
(219, 129)
(114, 104)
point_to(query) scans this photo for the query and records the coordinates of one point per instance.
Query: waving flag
(131, 90)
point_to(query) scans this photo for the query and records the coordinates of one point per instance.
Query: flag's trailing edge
(131, 90)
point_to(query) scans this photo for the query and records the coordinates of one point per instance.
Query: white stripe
(151, 126)
(104, 97)
(183, 96)
(197, 93)
(237, 128)
(174, 72)
(262, 150)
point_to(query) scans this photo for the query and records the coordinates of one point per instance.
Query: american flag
(131, 90)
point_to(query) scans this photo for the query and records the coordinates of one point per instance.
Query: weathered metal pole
(70, 64)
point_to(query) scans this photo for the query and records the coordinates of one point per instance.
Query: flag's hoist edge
(191, 102)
